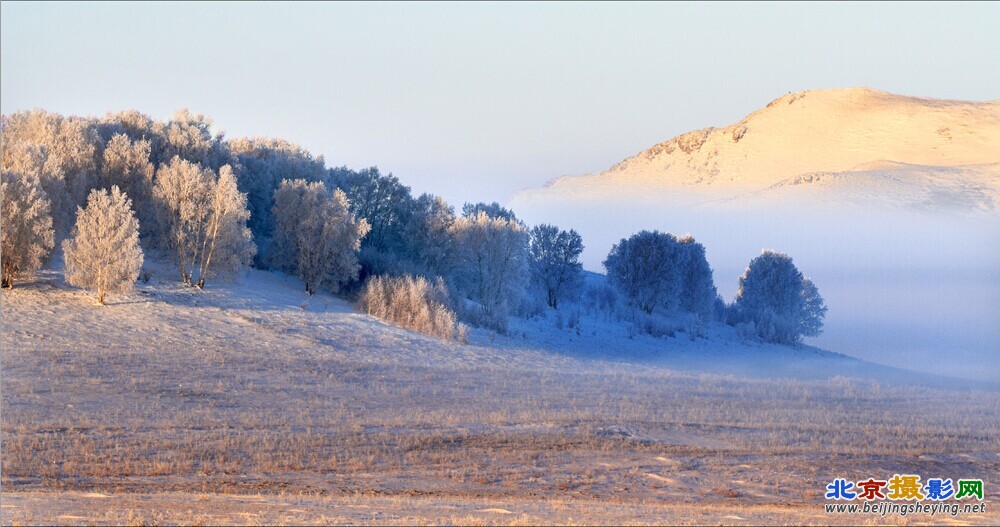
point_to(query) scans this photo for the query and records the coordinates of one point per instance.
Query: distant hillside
(889, 142)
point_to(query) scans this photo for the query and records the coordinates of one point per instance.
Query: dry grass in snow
(252, 403)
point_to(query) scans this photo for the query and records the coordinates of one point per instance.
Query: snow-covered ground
(250, 401)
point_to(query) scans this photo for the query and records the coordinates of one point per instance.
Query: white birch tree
(202, 220)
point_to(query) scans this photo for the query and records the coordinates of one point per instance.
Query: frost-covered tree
(777, 302)
(103, 253)
(427, 235)
(181, 192)
(202, 220)
(68, 148)
(813, 310)
(698, 294)
(316, 236)
(387, 205)
(137, 127)
(493, 210)
(126, 164)
(263, 164)
(26, 231)
(644, 269)
(228, 243)
(491, 262)
(555, 261)
(189, 136)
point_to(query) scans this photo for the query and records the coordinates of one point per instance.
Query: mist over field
(905, 288)
(889, 203)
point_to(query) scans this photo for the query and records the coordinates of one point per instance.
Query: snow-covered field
(252, 402)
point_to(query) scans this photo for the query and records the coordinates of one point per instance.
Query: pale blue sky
(475, 101)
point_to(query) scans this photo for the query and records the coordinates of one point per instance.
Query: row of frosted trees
(114, 188)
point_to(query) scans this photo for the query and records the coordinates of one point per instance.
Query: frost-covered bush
(491, 262)
(601, 297)
(202, 220)
(26, 228)
(530, 306)
(413, 303)
(316, 236)
(778, 301)
(554, 259)
(103, 253)
(655, 324)
(474, 314)
(573, 319)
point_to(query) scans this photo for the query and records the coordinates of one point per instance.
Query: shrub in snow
(315, 236)
(554, 257)
(653, 324)
(474, 314)
(413, 303)
(26, 229)
(202, 220)
(530, 306)
(601, 297)
(491, 262)
(573, 320)
(778, 301)
(103, 253)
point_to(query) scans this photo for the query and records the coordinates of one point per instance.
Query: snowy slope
(970, 188)
(820, 131)
(269, 312)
